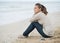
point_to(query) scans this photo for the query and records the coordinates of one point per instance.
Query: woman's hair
(43, 8)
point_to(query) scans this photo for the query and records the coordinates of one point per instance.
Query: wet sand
(37, 39)
(9, 33)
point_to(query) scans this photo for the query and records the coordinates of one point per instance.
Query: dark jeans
(39, 28)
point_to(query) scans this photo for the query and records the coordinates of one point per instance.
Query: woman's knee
(33, 22)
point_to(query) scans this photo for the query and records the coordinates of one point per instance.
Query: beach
(14, 20)
(10, 32)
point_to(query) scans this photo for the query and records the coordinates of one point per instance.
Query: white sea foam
(11, 12)
(16, 11)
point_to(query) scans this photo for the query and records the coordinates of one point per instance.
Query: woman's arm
(35, 18)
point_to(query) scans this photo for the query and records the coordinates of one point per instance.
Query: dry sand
(9, 33)
(37, 39)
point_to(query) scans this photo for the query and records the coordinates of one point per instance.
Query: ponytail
(43, 8)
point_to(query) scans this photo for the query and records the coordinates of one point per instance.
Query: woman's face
(36, 9)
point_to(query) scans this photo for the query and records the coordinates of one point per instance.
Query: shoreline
(10, 32)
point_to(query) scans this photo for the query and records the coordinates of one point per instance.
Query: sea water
(11, 12)
(16, 11)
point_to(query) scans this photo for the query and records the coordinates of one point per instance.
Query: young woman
(38, 21)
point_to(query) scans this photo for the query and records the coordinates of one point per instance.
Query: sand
(37, 39)
(9, 33)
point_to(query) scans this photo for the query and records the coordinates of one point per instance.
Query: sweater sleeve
(35, 18)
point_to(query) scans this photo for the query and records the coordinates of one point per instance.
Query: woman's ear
(39, 9)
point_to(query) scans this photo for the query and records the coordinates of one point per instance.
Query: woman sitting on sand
(38, 21)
